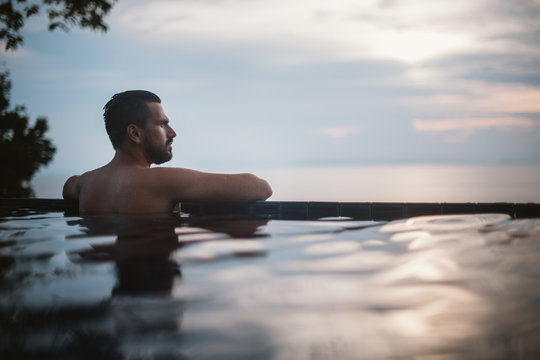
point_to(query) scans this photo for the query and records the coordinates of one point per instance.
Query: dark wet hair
(128, 107)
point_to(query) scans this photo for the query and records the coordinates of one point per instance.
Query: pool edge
(307, 210)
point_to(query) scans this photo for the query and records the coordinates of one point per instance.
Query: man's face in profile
(158, 135)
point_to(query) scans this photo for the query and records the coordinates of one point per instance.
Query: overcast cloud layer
(259, 83)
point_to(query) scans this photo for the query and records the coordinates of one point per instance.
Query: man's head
(156, 137)
(125, 108)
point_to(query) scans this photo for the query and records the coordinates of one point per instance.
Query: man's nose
(171, 133)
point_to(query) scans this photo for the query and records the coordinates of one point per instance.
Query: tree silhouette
(61, 13)
(23, 148)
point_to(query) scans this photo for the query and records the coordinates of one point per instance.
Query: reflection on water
(459, 286)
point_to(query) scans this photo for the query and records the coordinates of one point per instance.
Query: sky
(260, 84)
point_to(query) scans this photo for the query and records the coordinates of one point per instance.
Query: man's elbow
(266, 190)
(263, 189)
(253, 188)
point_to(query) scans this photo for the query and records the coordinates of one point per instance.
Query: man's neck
(125, 157)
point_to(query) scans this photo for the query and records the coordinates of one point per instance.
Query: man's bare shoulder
(100, 170)
(91, 176)
(121, 189)
(175, 172)
(73, 184)
(154, 181)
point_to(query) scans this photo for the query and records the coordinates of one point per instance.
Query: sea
(379, 183)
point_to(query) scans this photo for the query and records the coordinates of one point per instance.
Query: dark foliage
(61, 13)
(23, 148)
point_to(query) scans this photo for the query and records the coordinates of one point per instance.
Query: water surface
(439, 287)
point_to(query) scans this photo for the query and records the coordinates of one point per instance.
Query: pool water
(176, 287)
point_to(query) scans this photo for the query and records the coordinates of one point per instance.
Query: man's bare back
(129, 185)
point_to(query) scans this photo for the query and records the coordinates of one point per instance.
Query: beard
(158, 154)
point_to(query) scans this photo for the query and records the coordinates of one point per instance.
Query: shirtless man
(141, 135)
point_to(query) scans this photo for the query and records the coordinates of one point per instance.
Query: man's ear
(135, 133)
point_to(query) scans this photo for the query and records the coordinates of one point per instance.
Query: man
(141, 135)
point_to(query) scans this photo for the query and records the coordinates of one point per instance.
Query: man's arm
(71, 190)
(190, 185)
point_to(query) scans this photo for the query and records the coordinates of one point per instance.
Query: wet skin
(129, 185)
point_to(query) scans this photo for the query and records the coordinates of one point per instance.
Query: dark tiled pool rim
(309, 210)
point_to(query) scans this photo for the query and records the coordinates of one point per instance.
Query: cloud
(21, 54)
(469, 98)
(314, 30)
(460, 129)
(337, 131)
(470, 124)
